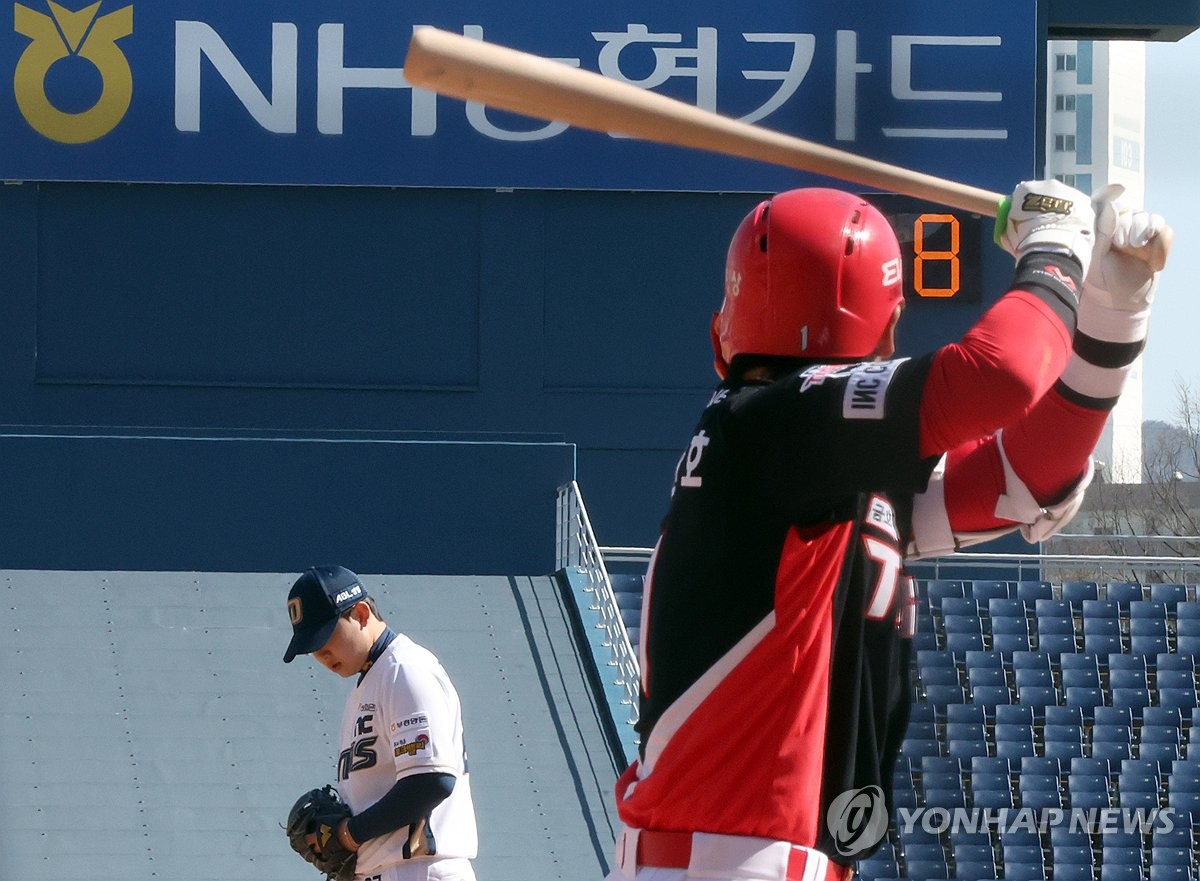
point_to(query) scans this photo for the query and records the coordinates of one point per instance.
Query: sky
(1173, 190)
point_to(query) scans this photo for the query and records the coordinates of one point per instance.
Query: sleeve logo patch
(866, 389)
(420, 742)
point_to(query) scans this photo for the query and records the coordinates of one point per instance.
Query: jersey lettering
(866, 390)
(360, 754)
(691, 461)
(888, 559)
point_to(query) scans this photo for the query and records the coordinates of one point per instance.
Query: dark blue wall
(552, 317)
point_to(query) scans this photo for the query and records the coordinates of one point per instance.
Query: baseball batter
(777, 618)
(402, 766)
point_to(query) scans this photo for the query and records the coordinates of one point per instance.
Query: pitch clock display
(941, 247)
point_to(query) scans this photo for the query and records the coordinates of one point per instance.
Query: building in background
(1096, 134)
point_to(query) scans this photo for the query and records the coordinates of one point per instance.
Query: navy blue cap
(316, 600)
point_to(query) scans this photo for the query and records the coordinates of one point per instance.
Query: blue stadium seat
(1039, 791)
(937, 589)
(1037, 696)
(924, 850)
(1005, 607)
(965, 749)
(974, 870)
(927, 869)
(984, 590)
(1024, 871)
(1012, 626)
(1027, 854)
(977, 676)
(1040, 766)
(1065, 835)
(1188, 645)
(1082, 677)
(1010, 643)
(921, 730)
(966, 713)
(1134, 698)
(1121, 856)
(927, 659)
(1124, 592)
(990, 765)
(1051, 608)
(1034, 676)
(926, 639)
(1114, 715)
(1126, 678)
(1184, 800)
(1176, 679)
(1185, 778)
(960, 606)
(1137, 799)
(1114, 752)
(978, 852)
(1081, 794)
(1104, 643)
(1173, 661)
(1084, 697)
(1090, 768)
(1152, 733)
(1080, 661)
(1031, 591)
(1169, 594)
(1060, 643)
(1030, 661)
(1104, 609)
(1148, 609)
(1189, 609)
(940, 765)
(1111, 733)
(940, 695)
(1115, 836)
(1056, 624)
(1148, 627)
(962, 624)
(990, 695)
(1182, 699)
(916, 749)
(1063, 716)
(1063, 750)
(1170, 871)
(1116, 872)
(1062, 734)
(1101, 627)
(1165, 716)
(1008, 731)
(964, 642)
(1158, 752)
(1179, 835)
(1137, 782)
(1015, 749)
(945, 798)
(964, 731)
(1073, 872)
(1078, 591)
(1147, 645)
(939, 676)
(872, 869)
(983, 659)
(1127, 662)
(1014, 714)
(1187, 626)
(1079, 855)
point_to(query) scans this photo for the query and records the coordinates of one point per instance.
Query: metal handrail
(577, 548)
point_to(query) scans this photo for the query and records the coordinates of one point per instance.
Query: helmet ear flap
(718, 359)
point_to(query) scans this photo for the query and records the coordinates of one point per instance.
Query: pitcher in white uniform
(402, 766)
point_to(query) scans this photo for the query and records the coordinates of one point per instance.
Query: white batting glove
(1047, 215)
(1131, 247)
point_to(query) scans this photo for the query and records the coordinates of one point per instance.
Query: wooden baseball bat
(508, 79)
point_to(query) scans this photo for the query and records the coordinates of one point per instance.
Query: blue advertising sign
(310, 92)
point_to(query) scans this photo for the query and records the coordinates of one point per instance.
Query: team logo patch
(420, 742)
(295, 610)
(420, 720)
(866, 389)
(818, 374)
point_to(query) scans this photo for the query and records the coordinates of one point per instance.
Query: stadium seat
(977, 676)
(990, 766)
(1137, 799)
(872, 869)
(941, 695)
(1147, 645)
(1184, 800)
(940, 765)
(1082, 677)
(1170, 872)
(1121, 856)
(1060, 643)
(1176, 678)
(1190, 609)
(921, 730)
(1011, 626)
(1031, 591)
(973, 713)
(1104, 643)
(1040, 766)
(1062, 734)
(1188, 645)
(984, 590)
(1148, 627)
(1024, 871)
(1039, 791)
(1063, 716)
(1101, 609)
(965, 749)
(1111, 733)
(1014, 714)
(1134, 698)
(1186, 777)
(1037, 696)
(931, 869)
(1155, 609)
(952, 606)
(1158, 752)
(1080, 661)
(964, 642)
(1180, 698)
(1169, 717)
(937, 589)
(1126, 678)
(924, 850)
(1073, 872)
(1065, 835)
(1114, 715)
(1078, 591)
(927, 659)
(1033, 676)
(1179, 835)
(1010, 643)
(1015, 749)
(1083, 697)
(993, 799)
(962, 624)
(1169, 594)
(978, 850)
(1030, 661)
(939, 676)
(1101, 627)
(1116, 872)
(990, 695)
(1063, 750)
(1055, 624)
(1114, 752)
(1152, 733)
(1124, 592)
(1127, 662)
(981, 658)
(1005, 607)
(1187, 626)
(916, 749)
(974, 870)
(1079, 855)
(964, 731)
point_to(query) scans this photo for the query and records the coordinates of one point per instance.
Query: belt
(673, 850)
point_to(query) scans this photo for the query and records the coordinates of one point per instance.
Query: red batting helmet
(811, 273)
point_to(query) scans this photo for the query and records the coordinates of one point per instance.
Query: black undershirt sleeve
(411, 799)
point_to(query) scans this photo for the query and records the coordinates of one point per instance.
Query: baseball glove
(312, 832)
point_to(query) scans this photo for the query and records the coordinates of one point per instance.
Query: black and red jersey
(777, 618)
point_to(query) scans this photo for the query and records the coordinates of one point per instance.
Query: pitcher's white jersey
(404, 718)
